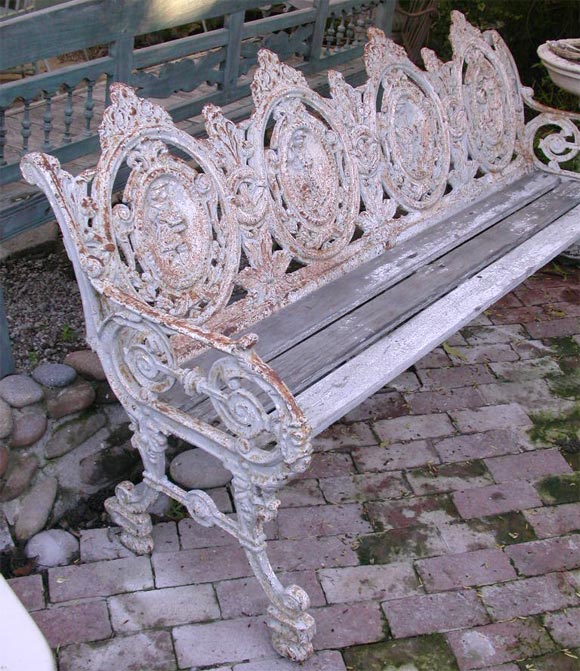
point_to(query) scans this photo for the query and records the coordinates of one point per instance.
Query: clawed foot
(136, 526)
(292, 628)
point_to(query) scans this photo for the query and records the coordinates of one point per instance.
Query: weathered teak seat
(350, 234)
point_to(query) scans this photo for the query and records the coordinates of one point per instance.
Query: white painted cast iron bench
(246, 299)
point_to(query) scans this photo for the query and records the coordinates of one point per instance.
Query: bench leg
(128, 508)
(292, 628)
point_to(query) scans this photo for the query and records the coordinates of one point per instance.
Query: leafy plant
(67, 334)
(524, 25)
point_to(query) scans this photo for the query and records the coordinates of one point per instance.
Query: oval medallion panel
(180, 247)
(313, 182)
(491, 118)
(414, 138)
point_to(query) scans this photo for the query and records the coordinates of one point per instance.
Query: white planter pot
(563, 72)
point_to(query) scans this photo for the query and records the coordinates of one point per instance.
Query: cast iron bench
(246, 298)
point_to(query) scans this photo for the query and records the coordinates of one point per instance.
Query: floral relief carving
(486, 95)
(312, 182)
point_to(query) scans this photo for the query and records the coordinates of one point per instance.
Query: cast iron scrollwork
(259, 410)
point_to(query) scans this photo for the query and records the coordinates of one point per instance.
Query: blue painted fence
(207, 48)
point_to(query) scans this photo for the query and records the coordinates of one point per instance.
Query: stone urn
(562, 61)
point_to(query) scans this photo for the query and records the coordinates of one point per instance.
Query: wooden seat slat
(347, 386)
(306, 354)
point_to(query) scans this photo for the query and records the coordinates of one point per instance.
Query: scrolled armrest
(251, 400)
(553, 137)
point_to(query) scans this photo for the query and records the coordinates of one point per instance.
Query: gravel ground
(43, 307)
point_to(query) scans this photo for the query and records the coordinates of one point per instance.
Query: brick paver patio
(437, 530)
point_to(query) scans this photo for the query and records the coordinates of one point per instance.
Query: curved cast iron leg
(128, 508)
(292, 628)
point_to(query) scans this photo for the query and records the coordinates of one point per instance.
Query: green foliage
(176, 511)
(67, 333)
(524, 25)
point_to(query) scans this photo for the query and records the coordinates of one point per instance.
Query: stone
(527, 466)
(395, 457)
(413, 427)
(545, 556)
(6, 542)
(74, 623)
(4, 459)
(72, 433)
(6, 422)
(329, 660)
(554, 520)
(301, 493)
(28, 428)
(155, 653)
(193, 567)
(163, 608)
(111, 464)
(467, 447)
(86, 363)
(403, 544)
(30, 590)
(322, 521)
(245, 596)
(364, 487)
(221, 641)
(411, 511)
(54, 547)
(420, 653)
(499, 643)
(452, 572)
(196, 469)
(20, 390)
(564, 627)
(19, 478)
(496, 499)
(448, 477)
(75, 398)
(341, 626)
(529, 596)
(54, 375)
(100, 579)
(490, 418)
(432, 613)
(366, 583)
(35, 508)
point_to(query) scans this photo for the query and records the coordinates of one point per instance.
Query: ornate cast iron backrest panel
(261, 212)
(176, 238)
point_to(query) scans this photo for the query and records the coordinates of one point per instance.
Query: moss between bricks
(559, 430)
(559, 661)
(509, 528)
(557, 489)
(423, 653)
(567, 384)
(396, 544)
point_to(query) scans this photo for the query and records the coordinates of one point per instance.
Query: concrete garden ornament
(201, 248)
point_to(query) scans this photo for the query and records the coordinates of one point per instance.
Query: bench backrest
(262, 212)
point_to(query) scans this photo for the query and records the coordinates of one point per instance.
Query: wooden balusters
(3, 140)
(89, 107)
(68, 114)
(25, 127)
(47, 120)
